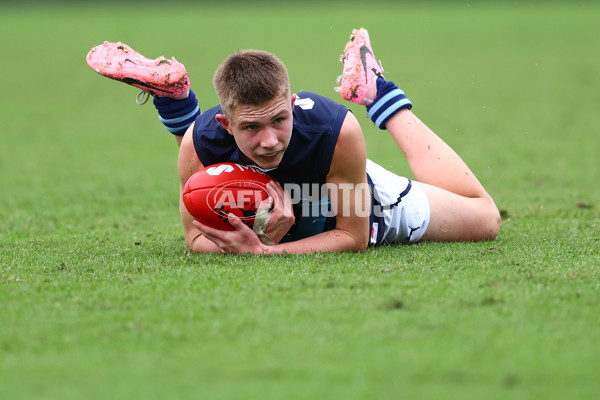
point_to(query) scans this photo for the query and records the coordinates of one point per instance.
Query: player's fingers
(198, 225)
(266, 203)
(201, 226)
(235, 221)
(275, 189)
(283, 198)
(207, 232)
(213, 234)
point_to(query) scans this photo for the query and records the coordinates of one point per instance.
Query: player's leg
(461, 209)
(165, 79)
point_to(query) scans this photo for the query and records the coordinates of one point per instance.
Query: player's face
(263, 132)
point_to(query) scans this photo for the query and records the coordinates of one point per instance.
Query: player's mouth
(270, 156)
(269, 160)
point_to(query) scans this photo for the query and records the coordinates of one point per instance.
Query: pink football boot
(357, 83)
(158, 77)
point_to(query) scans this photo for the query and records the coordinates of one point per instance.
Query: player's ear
(293, 100)
(224, 122)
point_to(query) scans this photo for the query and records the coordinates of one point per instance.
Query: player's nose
(269, 138)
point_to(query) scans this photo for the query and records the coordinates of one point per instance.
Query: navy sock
(177, 115)
(388, 102)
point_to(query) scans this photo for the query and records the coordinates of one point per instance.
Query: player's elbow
(359, 246)
(190, 242)
(195, 243)
(361, 243)
(350, 241)
(353, 248)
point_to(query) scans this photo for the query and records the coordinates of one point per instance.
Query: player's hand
(242, 240)
(282, 214)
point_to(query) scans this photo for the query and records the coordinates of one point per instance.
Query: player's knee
(492, 222)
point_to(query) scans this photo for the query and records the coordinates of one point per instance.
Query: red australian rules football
(214, 192)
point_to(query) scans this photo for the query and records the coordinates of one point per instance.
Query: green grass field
(99, 298)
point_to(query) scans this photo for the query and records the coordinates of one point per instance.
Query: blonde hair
(251, 77)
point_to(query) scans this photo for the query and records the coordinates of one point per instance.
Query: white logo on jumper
(305, 104)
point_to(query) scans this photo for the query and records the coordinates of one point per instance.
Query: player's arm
(348, 178)
(349, 194)
(187, 164)
(282, 216)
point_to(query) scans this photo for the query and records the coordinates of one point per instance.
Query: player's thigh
(454, 217)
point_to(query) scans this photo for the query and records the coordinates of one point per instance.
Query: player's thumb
(266, 203)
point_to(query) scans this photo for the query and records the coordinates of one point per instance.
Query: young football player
(314, 147)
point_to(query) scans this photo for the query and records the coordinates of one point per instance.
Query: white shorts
(401, 210)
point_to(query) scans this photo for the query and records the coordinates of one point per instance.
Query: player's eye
(250, 127)
(278, 121)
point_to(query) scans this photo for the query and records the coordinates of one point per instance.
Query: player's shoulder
(314, 110)
(311, 101)
(207, 121)
(187, 160)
